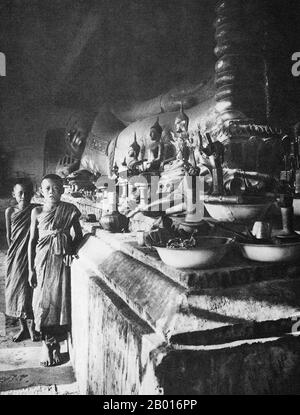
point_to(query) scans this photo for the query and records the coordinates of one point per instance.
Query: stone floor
(20, 371)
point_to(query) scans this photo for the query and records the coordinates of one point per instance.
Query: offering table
(141, 327)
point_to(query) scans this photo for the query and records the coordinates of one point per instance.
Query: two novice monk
(50, 250)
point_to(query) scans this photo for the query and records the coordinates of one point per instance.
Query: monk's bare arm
(32, 246)
(78, 236)
(8, 213)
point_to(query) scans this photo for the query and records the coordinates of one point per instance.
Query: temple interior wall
(65, 59)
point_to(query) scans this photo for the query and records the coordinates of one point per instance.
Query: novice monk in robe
(50, 252)
(18, 293)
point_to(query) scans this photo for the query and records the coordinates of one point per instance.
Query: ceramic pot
(114, 222)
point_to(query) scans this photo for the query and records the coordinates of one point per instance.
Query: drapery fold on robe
(18, 293)
(52, 296)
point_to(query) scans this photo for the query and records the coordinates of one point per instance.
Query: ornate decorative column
(242, 79)
(241, 70)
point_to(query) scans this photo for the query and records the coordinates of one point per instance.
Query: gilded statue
(155, 149)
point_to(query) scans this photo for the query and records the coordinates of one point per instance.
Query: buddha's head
(134, 148)
(155, 131)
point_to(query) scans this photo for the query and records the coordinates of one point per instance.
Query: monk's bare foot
(57, 359)
(46, 355)
(21, 335)
(35, 337)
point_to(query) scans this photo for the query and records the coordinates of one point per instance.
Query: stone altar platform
(140, 327)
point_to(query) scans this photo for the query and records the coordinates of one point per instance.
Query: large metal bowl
(210, 251)
(287, 252)
(237, 213)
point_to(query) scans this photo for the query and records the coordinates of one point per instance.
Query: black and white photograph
(149, 200)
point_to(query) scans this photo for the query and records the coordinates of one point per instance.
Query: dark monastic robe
(18, 293)
(52, 296)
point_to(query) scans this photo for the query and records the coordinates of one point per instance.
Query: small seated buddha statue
(155, 148)
(132, 160)
(169, 149)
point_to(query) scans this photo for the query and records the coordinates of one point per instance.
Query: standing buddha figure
(181, 136)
